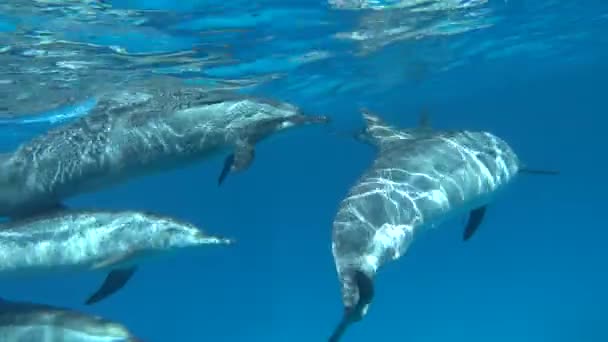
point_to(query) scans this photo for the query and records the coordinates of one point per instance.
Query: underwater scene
(303, 171)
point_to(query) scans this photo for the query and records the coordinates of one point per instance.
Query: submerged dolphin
(32, 322)
(86, 240)
(420, 178)
(135, 133)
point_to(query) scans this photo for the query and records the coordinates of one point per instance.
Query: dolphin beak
(302, 119)
(212, 240)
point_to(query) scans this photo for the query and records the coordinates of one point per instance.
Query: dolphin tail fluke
(530, 171)
(373, 131)
(375, 128)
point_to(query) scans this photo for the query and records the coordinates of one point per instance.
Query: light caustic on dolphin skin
(132, 133)
(89, 240)
(420, 178)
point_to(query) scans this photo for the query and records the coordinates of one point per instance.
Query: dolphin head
(168, 233)
(95, 327)
(262, 117)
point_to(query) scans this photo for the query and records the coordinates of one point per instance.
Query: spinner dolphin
(25, 321)
(138, 132)
(71, 241)
(419, 178)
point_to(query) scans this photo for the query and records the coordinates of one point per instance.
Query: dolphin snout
(301, 119)
(212, 240)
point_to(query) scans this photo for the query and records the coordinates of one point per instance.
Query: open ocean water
(531, 72)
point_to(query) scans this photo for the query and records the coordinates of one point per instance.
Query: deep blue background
(535, 271)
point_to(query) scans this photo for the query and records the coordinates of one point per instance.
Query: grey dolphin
(32, 322)
(87, 240)
(138, 132)
(419, 178)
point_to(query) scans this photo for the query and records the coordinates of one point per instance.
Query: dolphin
(31, 322)
(68, 241)
(137, 132)
(420, 178)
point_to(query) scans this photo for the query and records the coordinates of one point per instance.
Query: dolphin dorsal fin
(376, 130)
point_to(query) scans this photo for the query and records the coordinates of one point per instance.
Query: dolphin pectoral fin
(226, 169)
(240, 160)
(475, 219)
(115, 280)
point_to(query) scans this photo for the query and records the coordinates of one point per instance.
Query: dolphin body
(33, 322)
(138, 132)
(420, 178)
(86, 240)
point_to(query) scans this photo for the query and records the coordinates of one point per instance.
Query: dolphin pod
(420, 178)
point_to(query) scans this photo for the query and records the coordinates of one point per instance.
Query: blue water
(532, 72)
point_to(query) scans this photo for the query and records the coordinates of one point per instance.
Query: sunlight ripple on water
(59, 53)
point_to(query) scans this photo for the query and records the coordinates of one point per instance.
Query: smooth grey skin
(87, 240)
(138, 132)
(419, 178)
(33, 322)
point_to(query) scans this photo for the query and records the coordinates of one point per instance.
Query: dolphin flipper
(226, 169)
(240, 160)
(475, 219)
(115, 280)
